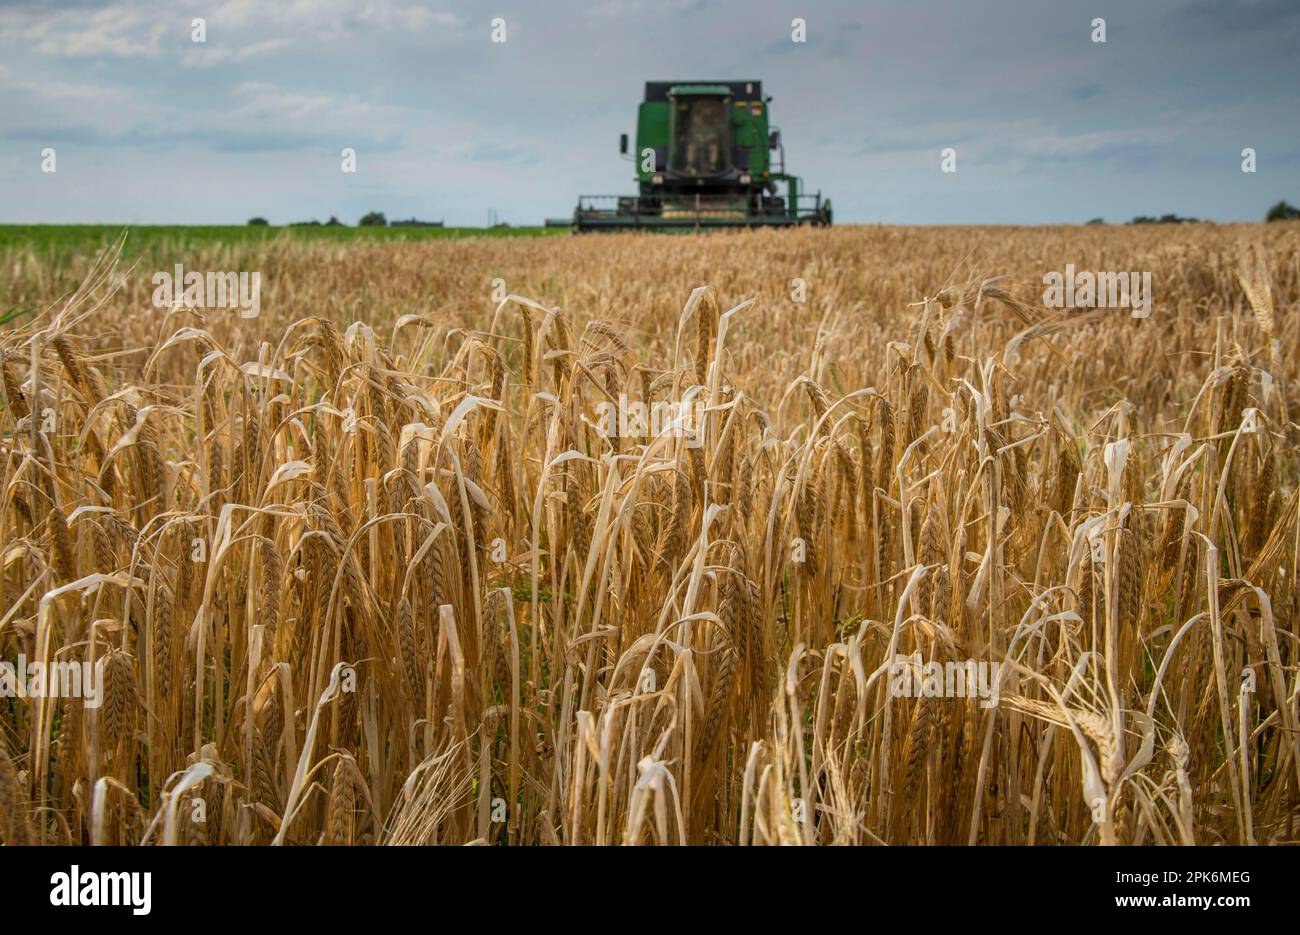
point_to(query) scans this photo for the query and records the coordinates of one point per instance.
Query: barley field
(369, 569)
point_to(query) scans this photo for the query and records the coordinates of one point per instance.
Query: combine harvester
(704, 160)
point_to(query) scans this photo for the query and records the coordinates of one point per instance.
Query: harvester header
(704, 157)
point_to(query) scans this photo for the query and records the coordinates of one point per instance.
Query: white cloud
(265, 104)
(136, 30)
(116, 31)
(64, 90)
(1083, 144)
(330, 19)
(203, 56)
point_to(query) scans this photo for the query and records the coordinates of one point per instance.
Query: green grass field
(41, 261)
(144, 239)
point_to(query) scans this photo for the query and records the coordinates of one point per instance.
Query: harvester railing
(691, 211)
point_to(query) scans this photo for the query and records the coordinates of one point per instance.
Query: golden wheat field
(367, 568)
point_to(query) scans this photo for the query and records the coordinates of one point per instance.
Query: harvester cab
(704, 156)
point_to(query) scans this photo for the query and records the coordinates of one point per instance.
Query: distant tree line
(332, 222)
(1164, 219)
(377, 219)
(370, 219)
(1283, 212)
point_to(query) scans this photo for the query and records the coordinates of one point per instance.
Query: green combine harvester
(704, 157)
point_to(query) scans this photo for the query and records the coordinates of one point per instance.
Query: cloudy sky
(150, 127)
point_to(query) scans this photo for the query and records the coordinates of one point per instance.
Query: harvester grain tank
(706, 157)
